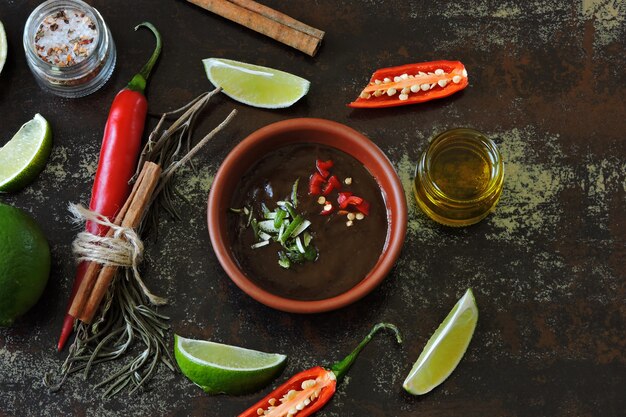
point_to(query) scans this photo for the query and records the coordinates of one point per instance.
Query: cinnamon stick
(91, 293)
(267, 21)
(93, 269)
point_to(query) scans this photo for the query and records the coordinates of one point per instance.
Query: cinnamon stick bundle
(267, 21)
(98, 277)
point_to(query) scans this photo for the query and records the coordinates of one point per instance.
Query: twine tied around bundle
(122, 248)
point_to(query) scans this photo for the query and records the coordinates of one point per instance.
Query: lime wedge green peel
(25, 155)
(225, 369)
(445, 348)
(255, 85)
(3, 47)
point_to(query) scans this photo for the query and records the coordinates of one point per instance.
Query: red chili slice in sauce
(333, 184)
(412, 83)
(315, 183)
(323, 167)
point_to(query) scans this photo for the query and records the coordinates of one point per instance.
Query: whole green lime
(24, 263)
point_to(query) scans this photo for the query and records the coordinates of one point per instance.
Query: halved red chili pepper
(332, 185)
(412, 83)
(118, 158)
(328, 208)
(323, 167)
(310, 390)
(315, 183)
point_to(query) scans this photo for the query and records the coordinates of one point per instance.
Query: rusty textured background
(548, 267)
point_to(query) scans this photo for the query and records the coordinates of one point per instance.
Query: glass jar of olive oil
(459, 178)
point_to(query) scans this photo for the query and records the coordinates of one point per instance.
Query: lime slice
(3, 46)
(255, 85)
(25, 155)
(225, 369)
(445, 348)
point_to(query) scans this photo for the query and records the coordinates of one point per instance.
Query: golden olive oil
(459, 178)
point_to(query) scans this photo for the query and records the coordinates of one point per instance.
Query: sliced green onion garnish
(264, 209)
(301, 228)
(260, 244)
(249, 216)
(299, 244)
(297, 221)
(306, 238)
(283, 225)
(294, 193)
(267, 226)
(255, 227)
(283, 260)
(280, 216)
(281, 231)
(289, 207)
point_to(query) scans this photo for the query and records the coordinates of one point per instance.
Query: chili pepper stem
(340, 368)
(139, 80)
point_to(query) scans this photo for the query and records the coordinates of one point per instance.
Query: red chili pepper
(342, 197)
(333, 184)
(364, 207)
(118, 158)
(323, 167)
(310, 390)
(350, 201)
(412, 83)
(328, 208)
(315, 183)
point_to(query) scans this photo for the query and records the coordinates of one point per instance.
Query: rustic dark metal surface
(548, 267)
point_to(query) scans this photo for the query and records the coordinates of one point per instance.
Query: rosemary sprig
(125, 318)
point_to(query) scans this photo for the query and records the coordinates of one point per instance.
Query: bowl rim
(395, 202)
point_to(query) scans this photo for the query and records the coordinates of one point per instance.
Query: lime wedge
(25, 155)
(445, 348)
(3, 46)
(225, 369)
(255, 85)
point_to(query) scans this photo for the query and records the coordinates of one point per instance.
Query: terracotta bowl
(324, 132)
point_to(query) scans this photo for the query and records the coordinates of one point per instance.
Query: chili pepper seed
(348, 181)
(360, 216)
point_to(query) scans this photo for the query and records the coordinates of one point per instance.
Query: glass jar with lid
(69, 48)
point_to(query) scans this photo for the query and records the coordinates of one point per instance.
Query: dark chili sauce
(345, 253)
